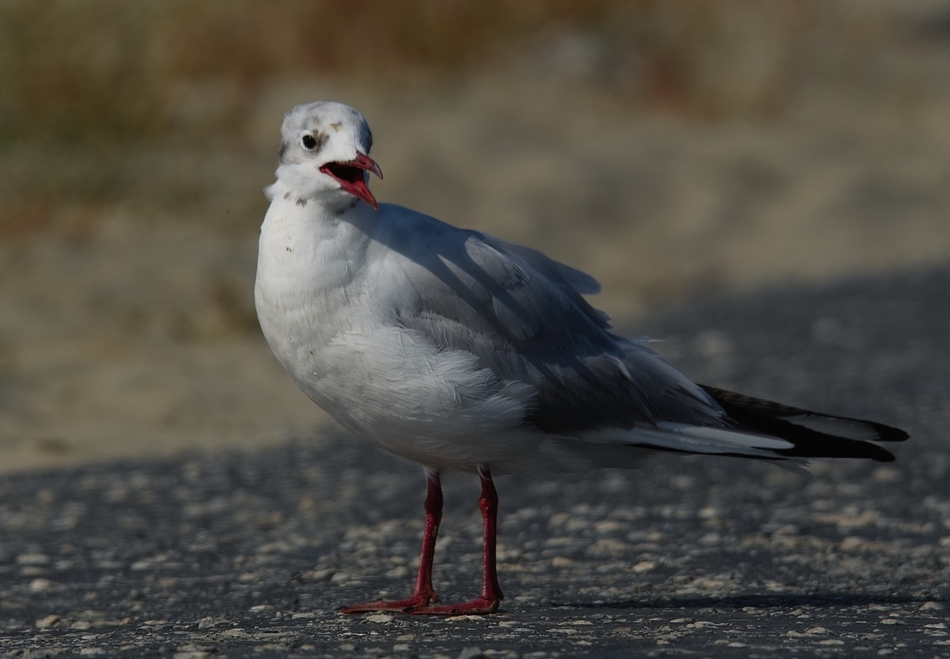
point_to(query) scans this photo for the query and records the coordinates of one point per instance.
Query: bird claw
(420, 606)
(480, 606)
(395, 606)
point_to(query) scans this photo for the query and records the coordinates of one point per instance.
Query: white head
(324, 151)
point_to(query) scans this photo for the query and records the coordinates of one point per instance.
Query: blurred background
(674, 149)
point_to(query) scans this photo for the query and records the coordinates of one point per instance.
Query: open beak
(350, 176)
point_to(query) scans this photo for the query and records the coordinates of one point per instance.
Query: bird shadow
(820, 600)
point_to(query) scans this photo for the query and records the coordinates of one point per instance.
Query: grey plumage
(520, 313)
(457, 349)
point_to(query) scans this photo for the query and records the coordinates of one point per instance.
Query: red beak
(350, 176)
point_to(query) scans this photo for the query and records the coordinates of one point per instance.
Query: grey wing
(522, 315)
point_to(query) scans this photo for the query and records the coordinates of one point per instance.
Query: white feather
(693, 439)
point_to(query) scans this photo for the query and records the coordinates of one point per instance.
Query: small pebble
(47, 622)
(378, 617)
(39, 585)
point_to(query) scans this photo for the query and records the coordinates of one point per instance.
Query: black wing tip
(766, 416)
(888, 433)
(886, 456)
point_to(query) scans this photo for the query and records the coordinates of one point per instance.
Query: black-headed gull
(460, 351)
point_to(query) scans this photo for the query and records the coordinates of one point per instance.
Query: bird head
(325, 148)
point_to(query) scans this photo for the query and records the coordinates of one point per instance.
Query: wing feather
(524, 318)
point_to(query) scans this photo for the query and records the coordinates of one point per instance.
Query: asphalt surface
(251, 554)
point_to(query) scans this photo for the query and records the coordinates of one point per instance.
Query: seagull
(462, 352)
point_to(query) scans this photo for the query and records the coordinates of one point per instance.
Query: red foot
(398, 606)
(480, 606)
(420, 607)
(418, 603)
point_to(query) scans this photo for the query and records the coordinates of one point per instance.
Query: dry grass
(114, 69)
(103, 99)
(159, 108)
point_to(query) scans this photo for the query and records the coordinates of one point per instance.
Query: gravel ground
(250, 554)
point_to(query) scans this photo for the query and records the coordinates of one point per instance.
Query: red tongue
(359, 190)
(355, 184)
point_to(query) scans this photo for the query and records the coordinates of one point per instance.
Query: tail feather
(811, 434)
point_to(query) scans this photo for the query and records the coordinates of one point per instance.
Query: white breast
(323, 294)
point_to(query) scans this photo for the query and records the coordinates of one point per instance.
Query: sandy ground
(126, 315)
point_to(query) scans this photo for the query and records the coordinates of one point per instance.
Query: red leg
(423, 592)
(491, 595)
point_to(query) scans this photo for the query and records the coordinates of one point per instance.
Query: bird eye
(309, 141)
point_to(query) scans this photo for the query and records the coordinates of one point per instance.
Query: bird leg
(418, 603)
(423, 593)
(491, 595)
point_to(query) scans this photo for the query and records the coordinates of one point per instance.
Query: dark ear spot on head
(369, 142)
(283, 151)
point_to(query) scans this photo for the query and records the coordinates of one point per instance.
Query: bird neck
(317, 242)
